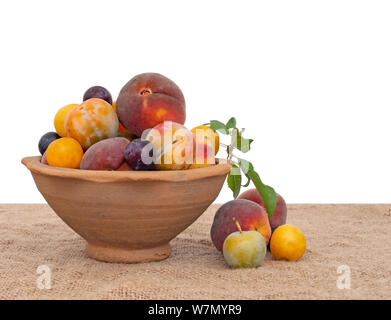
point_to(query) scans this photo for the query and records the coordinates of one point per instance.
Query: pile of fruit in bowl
(144, 131)
(146, 121)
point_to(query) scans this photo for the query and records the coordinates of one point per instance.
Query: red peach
(173, 145)
(211, 136)
(203, 154)
(149, 99)
(107, 154)
(44, 158)
(250, 216)
(279, 216)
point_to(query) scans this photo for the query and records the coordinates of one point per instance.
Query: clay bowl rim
(35, 166)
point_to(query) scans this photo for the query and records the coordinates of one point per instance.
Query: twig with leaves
(241, 166)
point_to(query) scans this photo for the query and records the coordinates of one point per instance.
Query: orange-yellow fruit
(59, 119)
(203, 154)
(65, 152)
(92, 121)
(210, 136)
(288, 243)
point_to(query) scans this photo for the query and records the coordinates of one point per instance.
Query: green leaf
(234, 181)
(231, 123)
(267, 193)
(245, 165)
(219, 126)
(234, 178)
(239, 142)
(247, 183)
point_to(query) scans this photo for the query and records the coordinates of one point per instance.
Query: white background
(309, 80)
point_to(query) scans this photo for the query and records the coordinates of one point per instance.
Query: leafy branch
(241, 166)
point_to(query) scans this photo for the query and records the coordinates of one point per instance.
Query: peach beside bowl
(128, 216)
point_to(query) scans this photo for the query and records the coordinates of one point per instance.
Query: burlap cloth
(353, 235)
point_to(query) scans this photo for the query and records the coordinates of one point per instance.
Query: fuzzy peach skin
(107, 154)
(149, 99)
(44, 158)
(250, 216)
(173, 145)
(203, 154)
(211, 136)
(279, 216)
(92, 121)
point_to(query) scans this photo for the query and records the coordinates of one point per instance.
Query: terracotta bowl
(128, 216)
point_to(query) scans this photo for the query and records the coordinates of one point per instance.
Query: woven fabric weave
(353, 235)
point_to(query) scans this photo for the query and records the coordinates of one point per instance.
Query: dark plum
(98, 92)
(47, 139)
(138, 159)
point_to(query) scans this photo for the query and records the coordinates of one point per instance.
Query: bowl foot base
(116, 254)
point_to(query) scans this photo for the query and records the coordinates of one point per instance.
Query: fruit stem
(228, 148)
(229, 151)
(237, 224)
(145, 92)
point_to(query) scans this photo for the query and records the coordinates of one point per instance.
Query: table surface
(356, 236)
